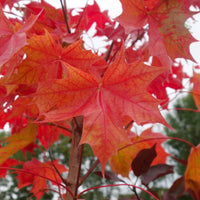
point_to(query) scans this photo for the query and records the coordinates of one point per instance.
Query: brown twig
(64, 9)
(82, 179)
(109, 52)
(134, 190)
(63, 180)
(59, 126)
(129, 124)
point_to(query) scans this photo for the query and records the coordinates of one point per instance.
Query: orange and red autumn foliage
(49, 79)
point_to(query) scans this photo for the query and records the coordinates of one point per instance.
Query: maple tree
(51, 84)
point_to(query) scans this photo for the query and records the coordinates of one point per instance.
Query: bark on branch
(75, 159)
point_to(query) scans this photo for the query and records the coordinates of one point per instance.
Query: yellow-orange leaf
(121, 162)
(192, 174)
(18, 141)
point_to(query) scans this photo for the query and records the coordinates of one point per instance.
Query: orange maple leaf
(18, 141)
(122, 91)
(44, 57)
(192, 173)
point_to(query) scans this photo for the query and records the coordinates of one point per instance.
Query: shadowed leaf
(143, 160)
(155, 172)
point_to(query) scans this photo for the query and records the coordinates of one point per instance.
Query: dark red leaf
(176, 190)
(155, 172)
(143, 160)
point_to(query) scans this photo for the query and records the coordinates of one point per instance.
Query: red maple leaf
(166, 26)
(172, 78)
(39, 174)
(91, 14)
(48, 134)
(7, 164)
(11, 39)
(123, 87)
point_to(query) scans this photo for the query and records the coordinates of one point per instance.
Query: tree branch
(64, 9)
(59, 126)
(63, 180)
(134, 190)
(109, 52)
(75, 158)
(82, 179)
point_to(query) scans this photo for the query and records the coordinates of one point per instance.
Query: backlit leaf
(39, 173)
(12, 41)
(18, 141)
(123, 87)
(121, 163)
(192, 173)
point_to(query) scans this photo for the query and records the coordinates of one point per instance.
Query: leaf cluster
(52, 85)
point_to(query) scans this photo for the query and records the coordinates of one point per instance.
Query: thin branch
(65, 4)
(176, 93)
(52, 161)
(59, 126)
(113, 185)
(129, 124)
(185, 109)
(109, 52)
(64, 9)
(63, 180)
(158, 138)
(134, 190)
(78, 128)
(139, 36)
(115, 54)
(81, 16)
(51, 124)
(82, 179)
